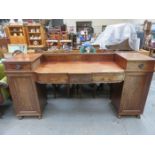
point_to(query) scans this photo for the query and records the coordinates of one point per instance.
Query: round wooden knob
(141, 66)
(18, 67)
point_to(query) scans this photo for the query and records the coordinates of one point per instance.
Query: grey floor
(84, 115)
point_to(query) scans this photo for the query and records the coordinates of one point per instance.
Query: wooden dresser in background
(35, 35)
(16, 34)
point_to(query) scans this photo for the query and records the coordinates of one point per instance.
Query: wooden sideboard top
(78, 67)
(135, 56)
(23, 58)
(129, 56)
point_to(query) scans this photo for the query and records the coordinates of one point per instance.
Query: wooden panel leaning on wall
(129, 74)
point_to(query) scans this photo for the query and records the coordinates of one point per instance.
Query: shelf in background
(34, 39)
(17, 36)
(16, 31)
(15, 25)
(55, 41)
(34, 46)
(33, 25)
(34, 32)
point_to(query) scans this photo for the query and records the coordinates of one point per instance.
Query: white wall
(96, 23)
(140, 21)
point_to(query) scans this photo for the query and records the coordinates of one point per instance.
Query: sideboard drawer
(18, 66)
(140, 66)
(52, 78)
(80, 78)
(108, 77)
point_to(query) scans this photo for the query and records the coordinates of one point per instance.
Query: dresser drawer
(108, 77)
(80, 78)
(140, 66)
(18, 66)
(52, 78)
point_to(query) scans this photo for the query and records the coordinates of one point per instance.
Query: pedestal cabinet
(28, 96)
(129, 97)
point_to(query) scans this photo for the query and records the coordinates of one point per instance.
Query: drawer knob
(141, 66)
(18, 67)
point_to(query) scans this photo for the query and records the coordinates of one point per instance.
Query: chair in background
(4, 90)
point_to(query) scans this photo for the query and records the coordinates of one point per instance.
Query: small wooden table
(129, 73)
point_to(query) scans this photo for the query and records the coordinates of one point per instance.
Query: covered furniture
(119, 37)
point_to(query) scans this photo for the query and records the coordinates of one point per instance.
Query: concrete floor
(81, 116)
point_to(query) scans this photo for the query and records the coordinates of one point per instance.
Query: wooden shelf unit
(35, 36)
(62, 35)
(16, 34)
(57, 37)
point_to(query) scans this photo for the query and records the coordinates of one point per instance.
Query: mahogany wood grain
(135, 56)
(129, 97)
(79, 72)
(26, 100)
(51, 78)
(29, 97)
(134, 92)
(79, 67)
(77, 57)
(23, 58)
(108, 77)
(18, 66)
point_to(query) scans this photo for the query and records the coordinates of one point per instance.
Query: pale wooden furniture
(128, 73)
(35, 35)
(58, 37)
(152, 51)
(16, 34)
(145, 52)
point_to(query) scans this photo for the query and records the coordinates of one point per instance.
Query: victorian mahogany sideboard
(129, 75)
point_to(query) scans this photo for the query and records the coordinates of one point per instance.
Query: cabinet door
(13, 40)
(23, 91)
(21, 40)
(134, 93)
